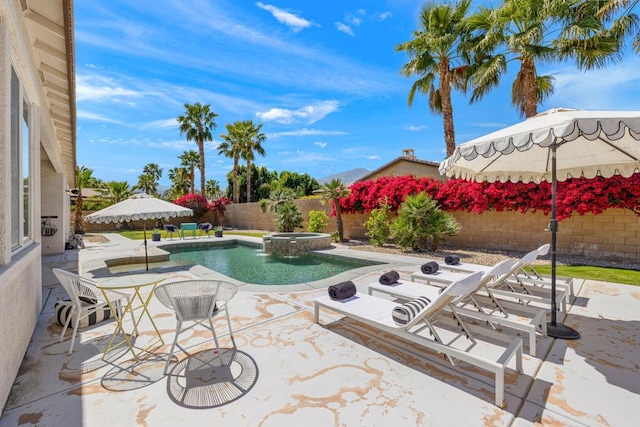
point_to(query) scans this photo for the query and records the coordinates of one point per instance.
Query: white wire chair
(86, 299)
(197, 301)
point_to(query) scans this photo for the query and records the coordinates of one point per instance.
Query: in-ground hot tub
(295, 244)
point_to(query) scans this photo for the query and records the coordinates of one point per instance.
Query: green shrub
(421, 224)
(289, 217)
(318, 221)
(378, 225)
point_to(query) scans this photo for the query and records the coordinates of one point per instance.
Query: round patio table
(134, 282)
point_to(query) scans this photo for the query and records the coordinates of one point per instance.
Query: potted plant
(218, 231)
(155, 235)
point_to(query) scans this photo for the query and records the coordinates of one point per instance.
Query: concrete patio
(288, 370)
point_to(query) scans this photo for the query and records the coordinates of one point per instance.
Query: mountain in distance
(347, 177)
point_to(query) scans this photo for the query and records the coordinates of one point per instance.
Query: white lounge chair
(515, 287)
(529, 324)
(377, 312)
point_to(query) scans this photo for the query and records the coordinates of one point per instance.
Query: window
(20, 185)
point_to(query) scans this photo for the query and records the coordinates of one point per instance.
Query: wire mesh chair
(86, 299)
(170, 229)
(197, 301)
(205, 228)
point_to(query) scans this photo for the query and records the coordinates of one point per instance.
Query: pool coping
(101, 267)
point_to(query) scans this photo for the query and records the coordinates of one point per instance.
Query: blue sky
(322, 77)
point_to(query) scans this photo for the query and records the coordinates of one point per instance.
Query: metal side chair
(86, 300)
(170, 229)
(197, 301)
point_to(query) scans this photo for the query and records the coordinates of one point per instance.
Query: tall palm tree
(84, 179)
(213, 189)
(332, 192)
(189, 160)
(197, 124)
(534, 32)
(116, 191)
(153, 169)
(147, 183)
(253, 145)
(231, 147)
(179, 178)
(437, 54)
(596, 31)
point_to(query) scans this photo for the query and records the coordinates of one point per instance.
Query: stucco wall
(21, 301)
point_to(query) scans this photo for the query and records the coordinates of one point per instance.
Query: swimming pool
(250, 265)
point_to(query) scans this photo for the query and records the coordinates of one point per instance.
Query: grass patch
(139, 234)
(605, 274)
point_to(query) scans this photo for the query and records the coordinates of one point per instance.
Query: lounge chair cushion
(63, 309)
(404, 313)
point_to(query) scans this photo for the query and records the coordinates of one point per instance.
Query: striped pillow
(63, 310)
(404, 313)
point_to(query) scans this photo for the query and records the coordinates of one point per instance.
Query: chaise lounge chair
(535, 320)
(378, 312)
(515, 287)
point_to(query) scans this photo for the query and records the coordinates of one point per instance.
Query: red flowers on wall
(574, 195)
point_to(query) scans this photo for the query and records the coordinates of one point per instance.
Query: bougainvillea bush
(577, 195)
(219, 205)
(196, 202)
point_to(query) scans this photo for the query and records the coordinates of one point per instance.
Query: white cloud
(344, 28)
(295, 22)
(309, 114)
(161, 124)
(303, 157)
(384, 15)
(373, 157)
(415, 128)
(81, 114)
(306, 132)
(605, 89)
(103, 88)
(320, 144)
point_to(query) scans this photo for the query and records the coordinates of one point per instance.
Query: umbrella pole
(146, 257)
(554, 329)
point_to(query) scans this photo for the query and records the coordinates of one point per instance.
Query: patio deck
(289, 370)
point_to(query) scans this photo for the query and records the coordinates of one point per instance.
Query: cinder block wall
(612, 234)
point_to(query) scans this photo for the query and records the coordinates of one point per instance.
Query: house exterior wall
(21, 259)
(405, 167)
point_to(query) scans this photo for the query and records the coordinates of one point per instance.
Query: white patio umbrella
(139, 206)
(554, 145)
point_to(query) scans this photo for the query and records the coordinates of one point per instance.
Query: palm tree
(189, 160)
(197, 124)
(437, 53)
(84, 179)
(332, 192)
(179, 178)
(597, 30)
(533, 32)
(253, 144)
(213, 189)
(116, 191)
(154, 170)
(232, 146)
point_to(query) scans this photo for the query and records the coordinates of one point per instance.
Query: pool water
(250, 265)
